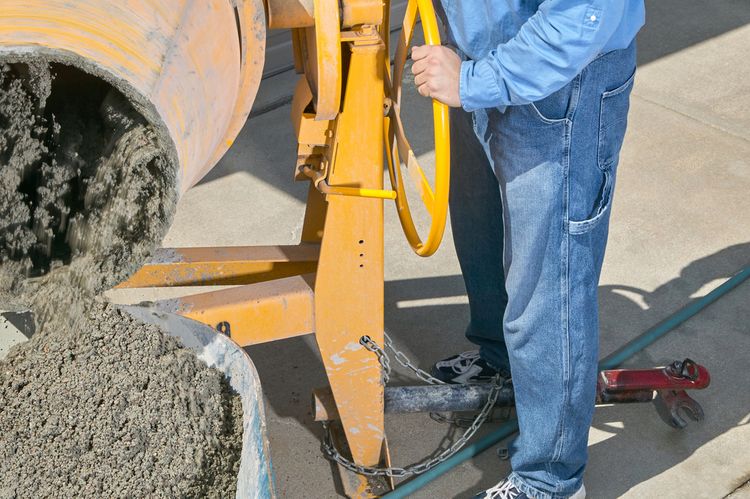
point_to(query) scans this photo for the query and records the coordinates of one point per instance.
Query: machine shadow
(634, 431)
(674, 25)
(426, 318)
(289, 371)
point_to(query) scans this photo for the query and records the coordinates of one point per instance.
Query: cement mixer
(192, 69)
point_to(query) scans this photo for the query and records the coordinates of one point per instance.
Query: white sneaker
(506, 490)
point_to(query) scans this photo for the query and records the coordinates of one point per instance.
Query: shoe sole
(580, 494)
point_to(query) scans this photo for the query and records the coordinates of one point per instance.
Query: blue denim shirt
(521, 51)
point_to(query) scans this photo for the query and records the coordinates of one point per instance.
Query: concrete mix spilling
(95, 404)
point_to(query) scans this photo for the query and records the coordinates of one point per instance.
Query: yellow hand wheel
(399, 152)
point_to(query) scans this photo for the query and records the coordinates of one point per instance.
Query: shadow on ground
(635, 431)
(435, 331)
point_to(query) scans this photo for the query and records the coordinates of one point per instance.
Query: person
(540, 93)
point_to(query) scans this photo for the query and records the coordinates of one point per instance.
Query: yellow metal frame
(319, 180)
(332, 283)
(224, 266)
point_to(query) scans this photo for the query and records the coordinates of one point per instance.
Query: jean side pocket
(543, 118)
(600, 210)
(559, 106)
(613, 121)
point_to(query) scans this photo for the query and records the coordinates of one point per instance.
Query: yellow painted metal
(253, 314)
(224, 266)
(315, 216)
(298, 36)
(290, 13)
(349, 281)
(314, 137)
(324, 405)
(359, 12)
(321, 49)
(399, 149)
(358, 486)
(357, 192)
(192, 68)
(308, 130)
(319, 180)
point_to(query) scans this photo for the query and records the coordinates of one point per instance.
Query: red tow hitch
(665, 386)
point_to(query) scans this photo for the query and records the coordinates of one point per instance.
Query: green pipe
(610, 362)
(631, 348)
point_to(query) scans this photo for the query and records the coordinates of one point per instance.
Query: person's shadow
(634, 439)
(629, 443)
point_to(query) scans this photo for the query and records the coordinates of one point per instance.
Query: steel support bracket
(355, 485)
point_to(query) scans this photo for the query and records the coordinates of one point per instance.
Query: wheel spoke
(399, 151)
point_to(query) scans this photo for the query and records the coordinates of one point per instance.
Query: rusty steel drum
(192, 68)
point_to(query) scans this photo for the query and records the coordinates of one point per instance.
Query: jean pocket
(600, 211)
(559, 106)
(613, 121)
(544, 119)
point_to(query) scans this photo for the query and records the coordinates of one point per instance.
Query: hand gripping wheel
(398, 148)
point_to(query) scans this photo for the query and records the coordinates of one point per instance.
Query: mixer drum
(191, 68)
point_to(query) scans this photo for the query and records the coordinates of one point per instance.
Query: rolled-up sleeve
(549, 50)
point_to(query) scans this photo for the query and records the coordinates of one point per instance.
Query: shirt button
(592, 18)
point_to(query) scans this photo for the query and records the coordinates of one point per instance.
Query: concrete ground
(681, 225)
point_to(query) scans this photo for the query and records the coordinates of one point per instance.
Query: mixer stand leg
(349, 284)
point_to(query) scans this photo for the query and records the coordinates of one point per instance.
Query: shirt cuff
(478, 87)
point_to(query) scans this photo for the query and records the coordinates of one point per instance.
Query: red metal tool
(664, 386)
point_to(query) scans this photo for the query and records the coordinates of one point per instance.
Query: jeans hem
(530, 491)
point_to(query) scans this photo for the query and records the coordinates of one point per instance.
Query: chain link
(329, 450)
(385, 362)
(402, 359)
(461, 422)
(503, 414)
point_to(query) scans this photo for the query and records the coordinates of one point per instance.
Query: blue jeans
(531, 196)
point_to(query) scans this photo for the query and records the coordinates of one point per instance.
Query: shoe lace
(503, 490)
(464, 361)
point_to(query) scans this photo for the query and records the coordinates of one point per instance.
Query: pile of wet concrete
(95, 404)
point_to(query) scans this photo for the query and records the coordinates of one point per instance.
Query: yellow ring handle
(399, 150)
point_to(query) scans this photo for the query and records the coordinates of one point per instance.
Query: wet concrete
(84, 176)
(96, 404)
(115, 408)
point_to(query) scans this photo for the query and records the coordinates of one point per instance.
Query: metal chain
(418, 468)
(461, 422)
(465, 422)
(402, 359)
(331, 453)
(370, 345)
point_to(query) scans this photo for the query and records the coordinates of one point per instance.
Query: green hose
(609, 362)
